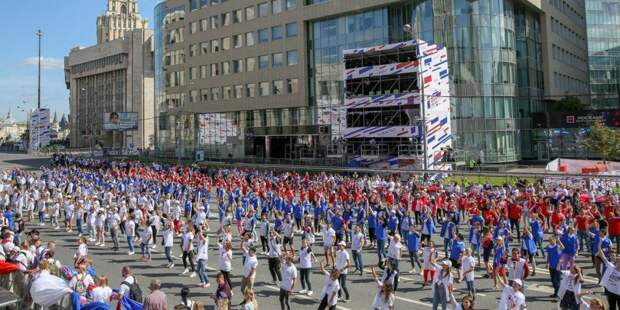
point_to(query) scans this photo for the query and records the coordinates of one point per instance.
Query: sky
(65, 24)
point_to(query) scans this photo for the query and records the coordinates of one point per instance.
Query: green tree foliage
(569, 104)
(604, 141)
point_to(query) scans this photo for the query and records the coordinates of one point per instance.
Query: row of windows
(566, 32)
(176, 57)
(568, 83)
(245, 39)
(249, 64)
(175, 36)
(99, 63)
(567, 9)
(250, 90)
(274, 6)
(568, 58)
(120, 22)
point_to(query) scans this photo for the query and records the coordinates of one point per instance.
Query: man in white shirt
(249, 270)
(343, 262)
(357, 244)
(128, 280)
(331, 287)
(289, 276)
(130, 232)
(468, 265)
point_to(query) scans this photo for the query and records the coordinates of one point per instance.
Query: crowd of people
(446, 232)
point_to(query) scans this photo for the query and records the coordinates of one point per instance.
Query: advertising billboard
(120, 121)
(39, 128)
(581, 119)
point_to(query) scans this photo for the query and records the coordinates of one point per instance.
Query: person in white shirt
(384, 299)
(611, 279)
(146, 242)
(357, 244)
(331, 287)
(289, 276)
(249, 270)
(128, 280)
(570, 294)
(225, 260)
(512, 298)
(329, 237)
(102, 293)
(113, 222)
(343, 263)
(275, 250)
(443, 282)
(130, 232)
(306, 256)
(202, 256)
(168, 242)
(468, 266)
(188, 251)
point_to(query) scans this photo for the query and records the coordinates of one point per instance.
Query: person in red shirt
(514, 214)
(583, 220)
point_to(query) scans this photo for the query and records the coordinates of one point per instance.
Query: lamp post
(39, 35)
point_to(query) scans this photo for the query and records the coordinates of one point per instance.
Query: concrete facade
(111, 76)
(120, 16)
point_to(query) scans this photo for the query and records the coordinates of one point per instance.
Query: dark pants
(556, 276)
(274, 269)
(613, 300)
(324, 305)
(304, 274)
(264, 244)
(343, 286)
(188, 255)
(284, 295)
(515, 224)
(227, 277)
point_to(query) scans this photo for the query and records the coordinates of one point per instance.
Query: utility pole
(39, 34)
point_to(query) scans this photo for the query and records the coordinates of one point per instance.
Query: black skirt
(568, 301)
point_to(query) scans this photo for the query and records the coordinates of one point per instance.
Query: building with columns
(119, 17)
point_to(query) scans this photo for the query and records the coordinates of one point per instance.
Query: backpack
(135, 292)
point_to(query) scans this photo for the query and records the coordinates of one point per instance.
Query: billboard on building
(120, 121)
(39, 128)
(580, 119)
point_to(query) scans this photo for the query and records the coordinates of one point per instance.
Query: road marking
(414, 301)
(302, 296)
(585, 278)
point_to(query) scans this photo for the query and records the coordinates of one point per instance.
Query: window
(238, 41)
(263, 89)
(250, 90)
(226, 42)
(237, 16)
(263, 62)
(292, 58)
(226, 19)
(238, 91)
(204, 23)
(215, 69)
(263, 9)
(204, 48)
(226, 92)
(291, 4)
(250, 38)
(237, 65)
(193, 27)
(276, 7)
(250, 64)
(193, 50)
(193, 96)
(204, 72)
(225, 68)
(250, 13)
(276, 33)
(215, 94)
(215, 46)
(292, 86)
(214, 21)
(278, 88)
(277, 60)
(193, 73)
(263, 35)
(204, 94)
(291, 30)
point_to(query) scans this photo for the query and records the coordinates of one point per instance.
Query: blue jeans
(357, 260)
(583, 239)
(78, 223)
(381, 249)
(130, 243)
(202, 271)
(471, 288)
(168, 252)
(446, 246)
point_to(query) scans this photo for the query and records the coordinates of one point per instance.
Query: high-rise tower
(120, 16)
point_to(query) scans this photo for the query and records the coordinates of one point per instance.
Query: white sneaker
(130, 253)
(412, 271)
(171, 266)
(154, 246)
(56, 228)
(102, 245)
(185, 272)
(303, 291)
(310, 293)
(192, 275)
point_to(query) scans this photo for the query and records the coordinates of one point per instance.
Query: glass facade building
(494, 55)
(603, 26)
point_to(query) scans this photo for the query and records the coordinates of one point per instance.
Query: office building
(112, 76)
(120, 16)
(264, 78)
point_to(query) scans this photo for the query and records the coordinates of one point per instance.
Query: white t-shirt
(394, 249)
(305, 258)
(342, 258)
(468, 263)
(380, 302)
(250, 263)
(187, 241)
(356, 241)
(225, 259)
(203, 249)
(168, 237)
(101, 294)
(329, 235)
(289, 274)
(330, 287)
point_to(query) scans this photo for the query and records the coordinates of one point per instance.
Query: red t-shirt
(582, 222)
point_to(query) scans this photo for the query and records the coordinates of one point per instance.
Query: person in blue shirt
(338, 226)
(528, 248)
(318, 214)
(298, 213)
(536, 226)
(554, 252)
(413, 244)
(456, 252)
(499, 260)
(571, 246)
(428, 228)
(448, 232)
(381, 236)
(393, 222)
(372, 224)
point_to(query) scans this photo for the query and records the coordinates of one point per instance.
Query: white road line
(585, 278)
(302, 296)
(414, 301)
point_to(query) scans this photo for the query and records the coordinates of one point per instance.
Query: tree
(569, 104)
(604, 141)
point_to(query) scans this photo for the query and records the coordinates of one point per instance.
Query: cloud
(47, 63)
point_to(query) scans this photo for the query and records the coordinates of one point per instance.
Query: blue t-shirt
(372, 221)
(606, 247)
(457, 248)
(393, 222)
(412, 241)
(10, 218)
(380, 232)
(553, 255)
(337, 223)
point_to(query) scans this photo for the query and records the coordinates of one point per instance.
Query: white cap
(518, 281)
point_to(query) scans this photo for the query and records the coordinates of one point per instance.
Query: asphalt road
(410, 293)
